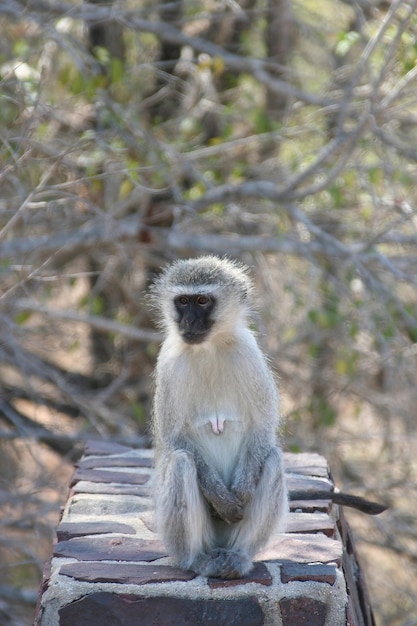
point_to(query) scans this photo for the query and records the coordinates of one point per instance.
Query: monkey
(219, 483)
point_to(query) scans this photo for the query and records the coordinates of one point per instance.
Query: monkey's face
(194, 316)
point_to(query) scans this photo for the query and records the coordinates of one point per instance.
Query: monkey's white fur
(219, 481)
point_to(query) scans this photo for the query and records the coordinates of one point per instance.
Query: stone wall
(109, 568)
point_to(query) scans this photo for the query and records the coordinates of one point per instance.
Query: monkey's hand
(243, 487)
(243, 495)
(224, 503)
(229, 508)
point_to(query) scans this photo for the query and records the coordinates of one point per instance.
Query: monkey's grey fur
(219, 481)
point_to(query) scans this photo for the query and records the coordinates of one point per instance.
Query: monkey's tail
(345, 499)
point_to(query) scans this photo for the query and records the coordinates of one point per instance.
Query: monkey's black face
(194, 316)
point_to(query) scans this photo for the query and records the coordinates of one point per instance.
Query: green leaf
(139, 414)
(117, 70)
(323, 412)
(261, 121)
(21, 48)
(22, 317)
(338, 196)
(347, 362)
(97, 305)
(346, 42)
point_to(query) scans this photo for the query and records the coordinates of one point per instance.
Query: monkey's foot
(221, 563)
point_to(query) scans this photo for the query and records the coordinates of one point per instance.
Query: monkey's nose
(188, 321)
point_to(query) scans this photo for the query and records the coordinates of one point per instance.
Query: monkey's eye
(182, 300)
(202, 300)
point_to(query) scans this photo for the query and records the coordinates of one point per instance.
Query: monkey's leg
(262, 515)
(266, 511)
(181, 512)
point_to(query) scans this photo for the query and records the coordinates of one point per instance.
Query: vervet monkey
(219, 477)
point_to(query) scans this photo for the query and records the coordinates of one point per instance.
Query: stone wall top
(110, 568)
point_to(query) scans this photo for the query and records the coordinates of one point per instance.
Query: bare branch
(233, 244)
(101, 324)
(169, 33)
(90, 234)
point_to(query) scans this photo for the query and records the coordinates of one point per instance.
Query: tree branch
(93, 233)
(166, 32)
(97, 322)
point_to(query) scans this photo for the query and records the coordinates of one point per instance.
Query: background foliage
(281, 133)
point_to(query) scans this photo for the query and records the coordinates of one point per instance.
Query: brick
(307, 463)
(69, 530)
(148, 519)
(259, 574)
(303, 549)
(125, 573)
(115, 461)
(303, 572)
(108, 488)
(93, 448)
(108, 476)
(306, 483)
(302, 612)
(114, 610)
(309, 506)
(310, 523)
(111, 548)
(99, 506)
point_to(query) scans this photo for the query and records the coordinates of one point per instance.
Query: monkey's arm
(251, 462)
(227, 504)
(345, 499)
